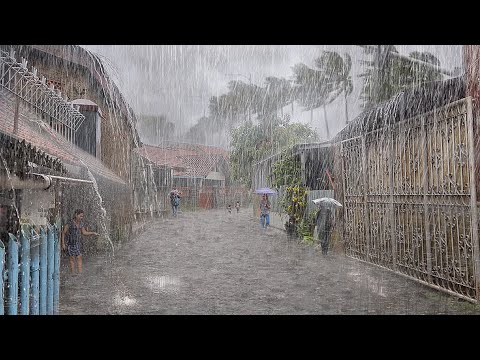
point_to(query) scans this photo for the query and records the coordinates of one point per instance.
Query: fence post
(24, 274)
(426, 210)
(56, 272)
(12, 262)
(2, 263)
(43, 271)
(50, 268)
(34, 269)
(366, 207)
(473, 198)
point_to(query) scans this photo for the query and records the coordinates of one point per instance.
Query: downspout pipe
(38, 182)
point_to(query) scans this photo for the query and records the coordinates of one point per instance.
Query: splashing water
(102, 209)
(5, 165)
(114, 104)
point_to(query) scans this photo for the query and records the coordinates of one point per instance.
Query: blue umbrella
(265, 190)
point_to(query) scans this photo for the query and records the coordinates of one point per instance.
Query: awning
(215, 175)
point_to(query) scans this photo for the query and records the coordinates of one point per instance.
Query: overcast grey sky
(178, 80)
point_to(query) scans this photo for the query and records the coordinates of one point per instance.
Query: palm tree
(387, 73)
(336, 70)
(314, 89)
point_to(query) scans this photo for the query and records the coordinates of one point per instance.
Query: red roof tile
(189, 159)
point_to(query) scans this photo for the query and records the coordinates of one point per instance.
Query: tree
(313, 89)
(336, 70)
(251, 143)
(240, 100)
(278, 94)
(155, 128)
(198, 133)
(386, 73)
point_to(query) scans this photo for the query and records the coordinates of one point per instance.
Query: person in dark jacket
(324, 226)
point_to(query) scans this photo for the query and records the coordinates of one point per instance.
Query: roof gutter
(35, 181)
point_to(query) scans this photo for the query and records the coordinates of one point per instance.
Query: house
(201, 172)
(60, 100)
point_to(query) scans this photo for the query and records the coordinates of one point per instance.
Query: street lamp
(249, 78)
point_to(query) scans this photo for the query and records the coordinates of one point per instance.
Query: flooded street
(213, 262)
(376, 145)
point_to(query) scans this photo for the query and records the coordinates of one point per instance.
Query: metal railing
(410, 199)
(16, 78)
(30, 273)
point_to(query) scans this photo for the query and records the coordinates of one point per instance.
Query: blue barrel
(24, 274)
(43, 271)
(35, 271)
(50, 268)
(2, 264)
(12, 278)
(56, 272)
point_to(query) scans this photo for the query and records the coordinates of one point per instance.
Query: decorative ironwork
(410, 201)
(16, 78)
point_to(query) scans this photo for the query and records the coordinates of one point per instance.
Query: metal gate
(410, 200)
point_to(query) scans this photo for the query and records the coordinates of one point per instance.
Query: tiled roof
(200, 165)
(34, 131)
(188, 159)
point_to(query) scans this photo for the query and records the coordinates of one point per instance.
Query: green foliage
(321, 86)
(154, 128)
(251, 143)
(294, 203)
(287, 174)
(387, 74)
(243, 100)
(199, 132)
(307, 227)
(286, 171)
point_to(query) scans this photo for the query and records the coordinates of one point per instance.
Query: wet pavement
(214, 262)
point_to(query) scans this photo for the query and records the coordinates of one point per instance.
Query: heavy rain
(239, 179)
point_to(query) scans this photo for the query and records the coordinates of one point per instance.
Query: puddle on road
(124, 300)
(163, 284)
(371, 283)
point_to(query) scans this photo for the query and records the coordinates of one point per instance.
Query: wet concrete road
(213, 262)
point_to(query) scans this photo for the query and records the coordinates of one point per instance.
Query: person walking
(265, 211)
(324, 222)
(174, 196)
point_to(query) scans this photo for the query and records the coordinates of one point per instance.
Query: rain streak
(239, 179)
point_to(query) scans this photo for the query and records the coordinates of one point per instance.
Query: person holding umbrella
(325, 221)
(265, 207)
